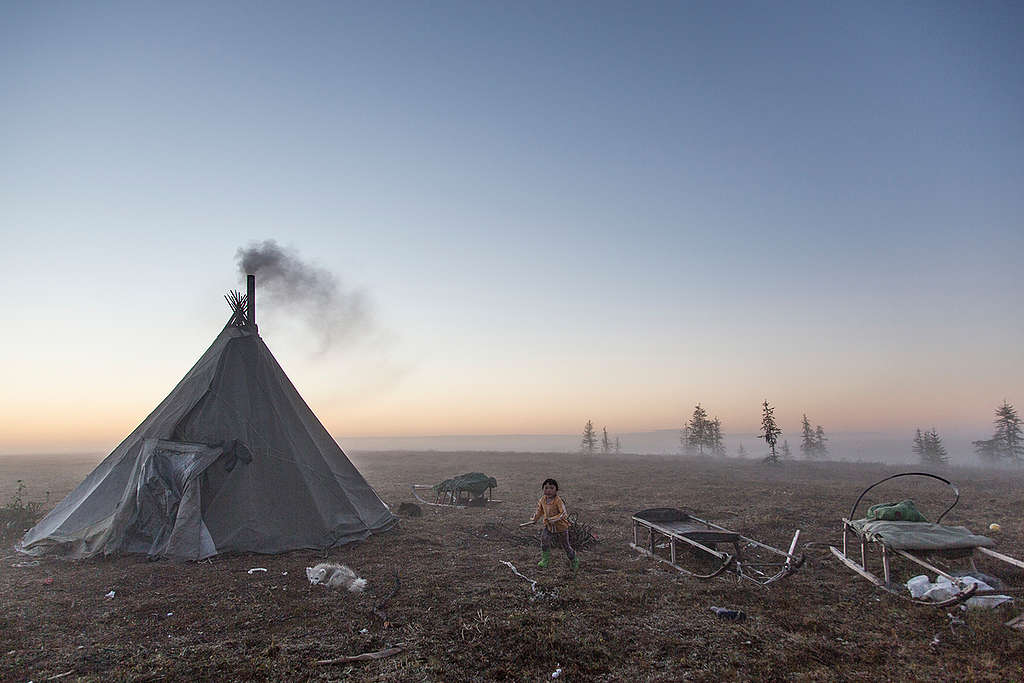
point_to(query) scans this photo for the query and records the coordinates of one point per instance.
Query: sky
(554, 211)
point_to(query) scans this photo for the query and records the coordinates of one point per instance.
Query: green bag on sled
(903, 511)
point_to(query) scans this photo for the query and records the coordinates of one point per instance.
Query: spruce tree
(589, 442)
(741, 452)
(770, 433)
(1007, 442)
(918, 447)
(987, 450)
(1008, 433)
(715, 437)
(787, 453)
(820, 449)
(807, 443)
(685, 447)
(698, 429)
(618, 446)
(606, 445)
(934, 453)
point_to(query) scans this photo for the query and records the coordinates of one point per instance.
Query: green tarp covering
(921, 536)
(475, 482)
(903, 511)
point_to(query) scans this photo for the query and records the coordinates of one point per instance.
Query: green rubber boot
(575, 563)
(545, 559)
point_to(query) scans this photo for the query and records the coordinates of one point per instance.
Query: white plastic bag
(943, 589)
(918, 586)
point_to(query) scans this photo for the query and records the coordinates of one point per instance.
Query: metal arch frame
(956, 491)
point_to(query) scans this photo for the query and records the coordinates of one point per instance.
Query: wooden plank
(759, 544)
(1005, 558)
(792, 547)
(725, 565)
(927, 565)
(860, 569)
(960, 597)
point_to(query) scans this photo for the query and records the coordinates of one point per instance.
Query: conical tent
(233, 460)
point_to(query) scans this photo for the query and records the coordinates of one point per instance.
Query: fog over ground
(848, 446)
(844, 446)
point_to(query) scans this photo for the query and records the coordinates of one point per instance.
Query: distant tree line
(588, 444)
(702, 435)
(1005, 447)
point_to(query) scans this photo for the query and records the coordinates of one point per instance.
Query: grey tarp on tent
(233, 460)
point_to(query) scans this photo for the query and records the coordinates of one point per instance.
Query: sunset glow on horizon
(554, 213)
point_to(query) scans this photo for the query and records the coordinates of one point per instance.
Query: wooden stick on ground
(380, 654)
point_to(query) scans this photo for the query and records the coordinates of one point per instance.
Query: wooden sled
(449, 499)
(919, 543)
(677, 530)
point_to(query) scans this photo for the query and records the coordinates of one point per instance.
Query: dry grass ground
(463, 615)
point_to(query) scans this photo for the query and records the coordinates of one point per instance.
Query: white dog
(334, 575)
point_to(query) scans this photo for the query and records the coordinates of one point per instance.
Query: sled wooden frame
(448, 499)
(967, 590)
(703, 536)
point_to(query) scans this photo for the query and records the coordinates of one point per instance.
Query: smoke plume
(291, 286)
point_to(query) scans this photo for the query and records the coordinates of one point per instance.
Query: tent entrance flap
(165, 473)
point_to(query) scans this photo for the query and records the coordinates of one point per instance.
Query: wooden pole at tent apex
(250, 295)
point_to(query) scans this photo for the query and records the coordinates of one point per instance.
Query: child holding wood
(556, 525)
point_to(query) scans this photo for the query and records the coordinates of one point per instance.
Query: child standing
(556, 525)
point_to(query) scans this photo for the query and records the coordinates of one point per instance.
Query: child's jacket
(556, 518)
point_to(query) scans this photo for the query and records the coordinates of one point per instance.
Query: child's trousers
(559, 538)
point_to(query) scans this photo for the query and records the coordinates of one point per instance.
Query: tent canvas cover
(233, 460)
